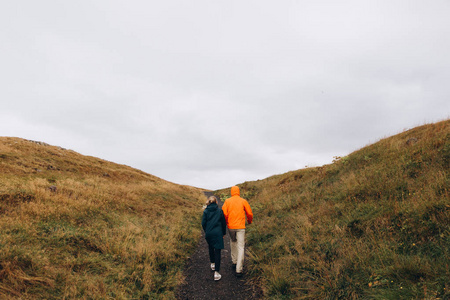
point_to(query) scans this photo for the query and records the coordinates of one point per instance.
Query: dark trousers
(214, 256)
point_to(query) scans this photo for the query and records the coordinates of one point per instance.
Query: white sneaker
(213, 267)
(217, 276)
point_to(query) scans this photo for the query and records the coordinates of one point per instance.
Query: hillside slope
(73, 226)
(373, 225)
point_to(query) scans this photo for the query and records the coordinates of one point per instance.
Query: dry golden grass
(373, 225)
(73, 226)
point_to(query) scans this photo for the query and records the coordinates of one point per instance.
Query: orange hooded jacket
(235, 209)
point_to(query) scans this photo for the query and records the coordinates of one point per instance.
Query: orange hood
(235, 209)
(235, 191)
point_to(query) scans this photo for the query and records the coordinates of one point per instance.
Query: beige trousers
(237, 249)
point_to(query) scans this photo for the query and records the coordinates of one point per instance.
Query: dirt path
(200, 284)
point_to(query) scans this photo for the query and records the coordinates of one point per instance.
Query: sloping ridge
(372, 225)
(73, 226)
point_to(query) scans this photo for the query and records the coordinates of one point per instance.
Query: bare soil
(199, 278)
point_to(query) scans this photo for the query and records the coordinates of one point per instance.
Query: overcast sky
(215, 93)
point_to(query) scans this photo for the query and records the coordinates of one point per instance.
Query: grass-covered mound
(373, 225)
(73, 226)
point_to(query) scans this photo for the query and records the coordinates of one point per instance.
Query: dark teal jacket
(214, 225)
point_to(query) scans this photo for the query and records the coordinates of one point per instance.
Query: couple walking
(214, 223)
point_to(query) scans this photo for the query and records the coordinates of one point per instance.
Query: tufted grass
(373, 225)
(73, 226)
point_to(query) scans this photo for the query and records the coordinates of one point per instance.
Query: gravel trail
(199, 278)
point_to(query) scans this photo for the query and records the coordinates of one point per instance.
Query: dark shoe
(233, 266)
(239, 275)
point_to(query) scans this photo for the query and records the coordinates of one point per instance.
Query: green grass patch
(372, 225)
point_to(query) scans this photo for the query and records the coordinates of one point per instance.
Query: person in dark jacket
(214, 225)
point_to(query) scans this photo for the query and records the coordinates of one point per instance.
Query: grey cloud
(215, 93)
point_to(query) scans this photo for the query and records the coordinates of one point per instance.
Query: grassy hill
(73, 226)
(373, 225)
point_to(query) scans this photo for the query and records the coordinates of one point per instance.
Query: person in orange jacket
(235, 209)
